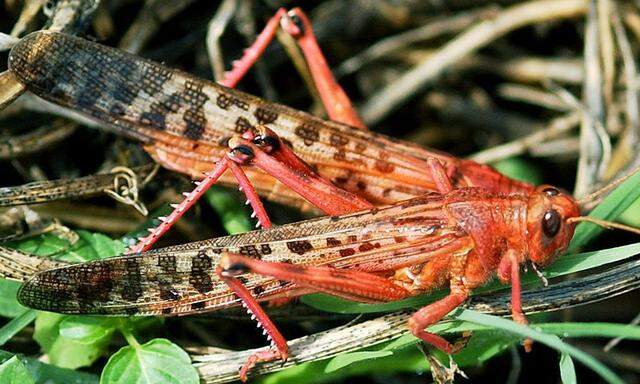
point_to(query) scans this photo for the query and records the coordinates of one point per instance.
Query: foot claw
(442, 374)
(261, 357)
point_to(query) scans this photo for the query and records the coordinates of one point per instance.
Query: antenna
(604, 223)
(592, 196)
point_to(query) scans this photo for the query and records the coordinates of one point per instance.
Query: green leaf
(611, 207)
(484, 345)
(93, 246)
(519, 169)
(13, 371)
(486, 342)
(158, 361)
(90, 246)
(631, 216)
(406, 360)
(230, 209)
(64, 352)
(399, 355)
(567, 370)
(9, 306)
(103, 245)
(346, 359)
(86, 329)
(568, 264)
(607, 330)
(42, 245)
(49, 374)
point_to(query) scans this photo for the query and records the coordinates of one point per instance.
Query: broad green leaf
(567, 369)
(9, 306)
(13, 371)
(93, 246)
(42, 245)
(90, 246)
(631, 216)
(103, 245)
(158, 361)
(86, 329)
(64, 352)
(49, 374)
(230, 209)
(611, 207)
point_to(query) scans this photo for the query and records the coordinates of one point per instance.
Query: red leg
(296, 23)
(434, 312)
(349, 284)
(279, 348)
(346, 283)
(251, 54)
(202, 186)
(252, 196)
(335, 100)
(285, 166)
(509, 270)
(179, 209)
(321, 193)
(439, 175)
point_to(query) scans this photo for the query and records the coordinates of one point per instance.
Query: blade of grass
(604, 330)
(611, 207)
(549, 340)
(567, 370)
(16, 324)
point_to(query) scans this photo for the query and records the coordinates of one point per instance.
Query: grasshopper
(457, 238)
(202, 128)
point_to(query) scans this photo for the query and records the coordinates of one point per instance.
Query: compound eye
(551, 191)
(551, 222)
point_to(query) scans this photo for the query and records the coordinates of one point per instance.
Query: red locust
(458, 238)
(202, 128)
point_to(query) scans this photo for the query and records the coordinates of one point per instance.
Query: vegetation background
(543, 90)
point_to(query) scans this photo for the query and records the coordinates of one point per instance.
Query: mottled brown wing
(185, 119)
(181, 279)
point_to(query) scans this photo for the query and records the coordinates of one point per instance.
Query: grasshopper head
(548, 228)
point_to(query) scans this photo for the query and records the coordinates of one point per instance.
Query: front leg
(267, 152)
(509, 271)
